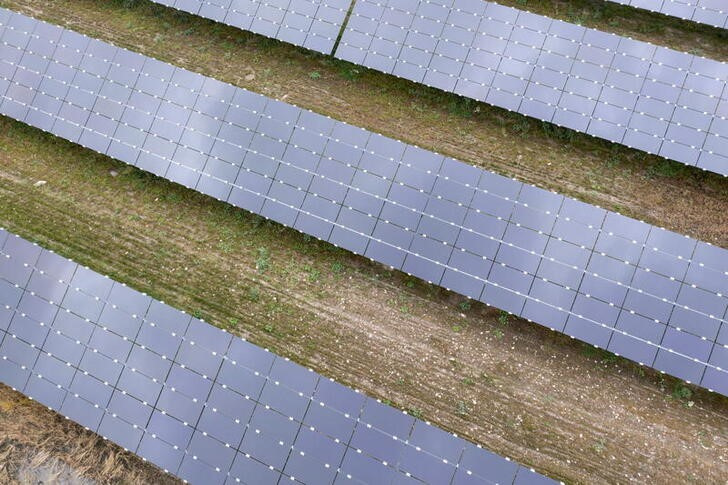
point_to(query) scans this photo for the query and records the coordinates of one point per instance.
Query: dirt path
(520, 390)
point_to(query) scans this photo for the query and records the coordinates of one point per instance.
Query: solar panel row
(710, 12)
(198, 402)
(648, 294)
(313, 24)
(651, 98)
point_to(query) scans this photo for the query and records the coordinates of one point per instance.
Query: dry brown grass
(37, 446)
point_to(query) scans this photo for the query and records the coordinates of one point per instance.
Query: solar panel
(314, 24)
(567, 265)
(625, 91)
(213, 407)
(709, 12)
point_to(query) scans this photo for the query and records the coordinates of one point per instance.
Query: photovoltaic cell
(191, 417)
(559, 262)
(313, 24)
(629, 92)
(709, 12)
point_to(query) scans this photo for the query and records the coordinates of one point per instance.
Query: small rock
(40, 183)
(113, 173)
(250, 77)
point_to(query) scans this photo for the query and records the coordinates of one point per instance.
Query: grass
(601, 356)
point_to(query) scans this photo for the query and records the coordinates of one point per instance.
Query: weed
(410, 283)
(521, 127)
(558, 133)
(337, 267)
(456, 328)
(262, 264)
(461, 106)
(468, 381)
(461, 409)
(666, 169)
(600, 355)
(681, 392)
(313, 274)
(415, 412)
(233, 322)
(314, 75)
(599, 446)
(386, 402)
(197, 314)
(253, 293)
(614, 157)
(269, 328)
(498, 333)
(575, 17)
(225, 246)
(504, 317)
(464, 305)
(349, 72)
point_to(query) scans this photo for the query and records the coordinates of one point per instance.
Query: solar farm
(350, 241)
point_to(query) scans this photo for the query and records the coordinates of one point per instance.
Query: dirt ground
(568, 410)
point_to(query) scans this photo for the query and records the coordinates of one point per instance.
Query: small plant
(197, 314)
(600, 355)
(461, 106)
(456, 328)
(503, 317)
(410, 283)
(225, 246)
(313, 274)
(233, 322)
(349, 71)
(468, 381)
(522, 127)
(314, 75)
(682, 392)
(558, 133)
(415, 412)
(263, 262)
(269, 328)
(461, 409)
(498, 333)
(253, 293)
(464, 305)
(666, 169)
(337, 267)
